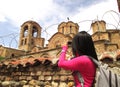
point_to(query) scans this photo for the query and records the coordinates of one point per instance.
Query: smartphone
(69, 43)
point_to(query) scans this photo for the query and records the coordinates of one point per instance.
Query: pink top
(82, 64)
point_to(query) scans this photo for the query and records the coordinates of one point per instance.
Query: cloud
(9, 34)
(22, 10)
(99, 11)
(73, 6)
(6, 27)
(50, 13)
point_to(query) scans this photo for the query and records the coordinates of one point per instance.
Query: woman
(82, 48)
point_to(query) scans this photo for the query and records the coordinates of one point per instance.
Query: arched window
(25, 31)
(34, 31)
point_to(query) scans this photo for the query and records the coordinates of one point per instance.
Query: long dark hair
(82, 44)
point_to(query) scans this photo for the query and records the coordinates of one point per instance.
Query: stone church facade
(34, 65)
(30, 40)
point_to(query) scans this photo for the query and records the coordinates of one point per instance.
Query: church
(33, 63)
(31, 42)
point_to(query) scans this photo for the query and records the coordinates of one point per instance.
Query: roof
(31, 22)
(28, 62)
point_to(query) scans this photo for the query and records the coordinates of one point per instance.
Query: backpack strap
(97, 63)
(80, 78)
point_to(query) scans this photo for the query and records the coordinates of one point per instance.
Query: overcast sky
(49, 13)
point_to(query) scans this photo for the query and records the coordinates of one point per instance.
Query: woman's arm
(62, 55)
(73, 64)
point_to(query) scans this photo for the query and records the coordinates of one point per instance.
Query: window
(63, 30)
(25, 31)
(34, 31)
(70, 29)
(12, 55)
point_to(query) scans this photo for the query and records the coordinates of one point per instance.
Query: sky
(50, 13)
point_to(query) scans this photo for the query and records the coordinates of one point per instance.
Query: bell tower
(30, 36)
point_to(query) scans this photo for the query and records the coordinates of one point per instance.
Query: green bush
(1, 58)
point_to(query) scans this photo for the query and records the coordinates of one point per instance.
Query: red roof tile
(31, 61)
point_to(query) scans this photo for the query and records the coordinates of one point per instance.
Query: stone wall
(40, 73)
(36, 75)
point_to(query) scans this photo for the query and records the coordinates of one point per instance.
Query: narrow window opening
(34, 31)
(25, 31)
(70, 29)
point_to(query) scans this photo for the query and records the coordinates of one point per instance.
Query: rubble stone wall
(34, 76)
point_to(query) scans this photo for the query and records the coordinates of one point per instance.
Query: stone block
(29, 77)
(56, 77)
(47, 73)
(64, 72)
(70, 78)
(54, 84)
(63, 78)
(25, 73)
(32, 73)
(48, 78)
(2, 78)
(18, 73)
(22, 77)
(39, 73)
(16, 78)
(41, 78)
(63, 84)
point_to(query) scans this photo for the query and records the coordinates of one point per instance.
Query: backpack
(104, 77)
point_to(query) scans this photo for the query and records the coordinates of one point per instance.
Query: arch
(58, 33)
(34, 31)
(25, 31)
(47, 62)
(36, 28)
(107, 58)
(31, 22)
(56, 40)
(36, 62)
